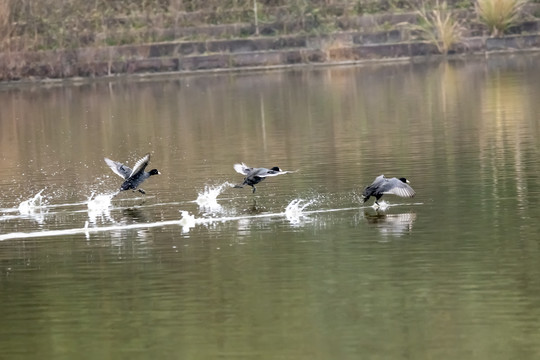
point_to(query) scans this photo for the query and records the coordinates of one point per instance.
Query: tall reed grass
(499, 15)
(439, 26)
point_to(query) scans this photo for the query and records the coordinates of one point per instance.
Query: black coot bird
(382, 185)
(256, 175)
(133, 178)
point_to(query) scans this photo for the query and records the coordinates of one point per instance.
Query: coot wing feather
(269, 172)
(140, 165)
(370, 189)
(242, 169)
(119, 169)
(397, 187)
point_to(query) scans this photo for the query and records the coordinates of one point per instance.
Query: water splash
(187, 221)
(207, 200)
(34, 207)
(99, 207)
(32, 204)
(294, 212)
(383, 205)
(86, 232)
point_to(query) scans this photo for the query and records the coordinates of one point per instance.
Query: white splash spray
(207, 200)
(99, 207)
(30, 205)
(294, 212)
(187, 221)
(34, 207)
(383, 205)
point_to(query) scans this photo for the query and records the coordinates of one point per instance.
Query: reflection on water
(390, 224)
(134, 215)
(301, 268)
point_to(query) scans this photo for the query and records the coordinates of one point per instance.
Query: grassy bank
(27, 25)
(54, 37)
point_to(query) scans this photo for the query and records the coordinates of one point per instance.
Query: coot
(382, 185)
(256, 175)
(133, 178)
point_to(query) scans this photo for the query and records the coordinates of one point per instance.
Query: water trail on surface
(207, 199)
(383, 205)
(294, 212)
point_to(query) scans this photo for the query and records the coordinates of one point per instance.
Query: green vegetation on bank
(28, 25)
(53, 24)
(84, 38)
(440, 26)
(499, 15)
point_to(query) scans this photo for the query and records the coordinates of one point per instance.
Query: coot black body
(133, 177)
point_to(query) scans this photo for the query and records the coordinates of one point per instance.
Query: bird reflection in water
(134, 215)
(391, 224)
(255, 208)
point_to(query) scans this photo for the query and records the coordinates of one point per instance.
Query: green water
(452, 273)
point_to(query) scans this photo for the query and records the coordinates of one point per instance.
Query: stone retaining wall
(230, 54)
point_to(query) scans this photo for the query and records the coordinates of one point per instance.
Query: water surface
(300, 269)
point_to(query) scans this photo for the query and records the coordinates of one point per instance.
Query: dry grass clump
(439, 26)
(5, 24)
(499, 15)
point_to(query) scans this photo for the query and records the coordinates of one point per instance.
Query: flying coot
(133, 178)
(256, 175)
(382, 185)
